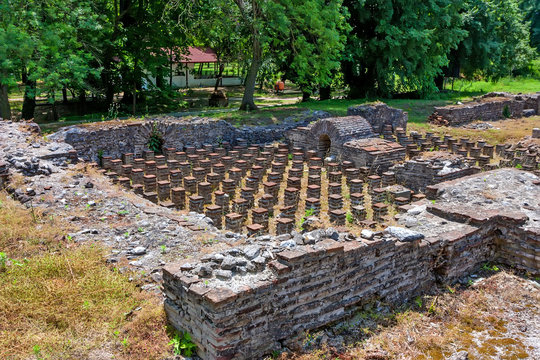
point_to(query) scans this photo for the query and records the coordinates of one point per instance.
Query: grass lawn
(275, 108)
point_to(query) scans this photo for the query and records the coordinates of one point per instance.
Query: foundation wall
(312, 286)
(490, 108)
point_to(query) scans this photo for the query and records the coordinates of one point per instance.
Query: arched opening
(324, 145)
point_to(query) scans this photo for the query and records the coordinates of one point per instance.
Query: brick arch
(338, 131)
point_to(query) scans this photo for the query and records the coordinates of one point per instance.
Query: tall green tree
(307, 41)
(532, 15)
(15, 45)
(399, 45)
(497, 41)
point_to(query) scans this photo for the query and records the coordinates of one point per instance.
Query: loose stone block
(267, 201)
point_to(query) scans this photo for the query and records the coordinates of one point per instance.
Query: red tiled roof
(198, 55)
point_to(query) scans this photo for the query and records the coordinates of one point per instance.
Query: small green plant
(126, 234)
(289, 156)
(307, 213)
(123, 212)
(506, 112)
(519, 166)
(489, 267)
(349, 217)
(433, 202)
(140, 229)
(163, 249)
(125, 341)
(418, 301)
(155, 141)
(37, 351)
(3, 261)
(182, 344)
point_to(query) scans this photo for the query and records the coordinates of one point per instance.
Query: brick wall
(489, 107)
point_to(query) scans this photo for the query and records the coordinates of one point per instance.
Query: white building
(199, 68)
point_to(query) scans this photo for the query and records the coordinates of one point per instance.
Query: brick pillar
(222, 199)
(314, 204)
(291, 196)
(127, 159)
(178, 197)
(284, 226)
(190, 184)
(215, 212)
(176, 178)
(150, 183)
(164, 190)
(196, 203)
(205, 190)
(260, 216)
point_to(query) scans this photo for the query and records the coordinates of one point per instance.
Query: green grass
(273, 111)
(513, 85)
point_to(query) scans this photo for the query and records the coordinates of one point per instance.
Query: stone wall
(379, 115)
(420, 173)
(115, 138)
(248, 301)
(377, 154)
(489, 107)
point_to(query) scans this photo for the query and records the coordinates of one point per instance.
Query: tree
(532, 11)
(308, 40)
(497, 41)
(15, 45)
(398, 46)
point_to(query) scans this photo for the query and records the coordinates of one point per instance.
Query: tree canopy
(378, 47)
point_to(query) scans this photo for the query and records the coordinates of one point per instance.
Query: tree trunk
(325, 92)
(220, 75)
(247, 101)
(82, 102)
(5, 109)
(439, 82)
(134, 98)
(305, 96)
(64, 95)
(29, 100)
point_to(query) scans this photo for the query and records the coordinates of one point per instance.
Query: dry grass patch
(511, 130)
(60, 300)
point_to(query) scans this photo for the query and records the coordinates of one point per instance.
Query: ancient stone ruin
(489, 107)
(327, 214)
